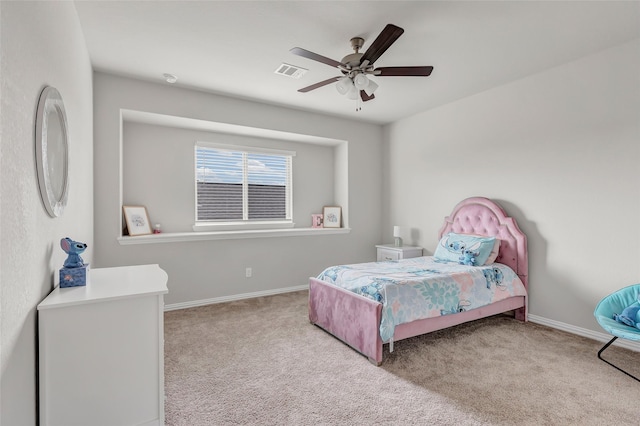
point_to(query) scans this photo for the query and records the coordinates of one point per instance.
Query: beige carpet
(260, 362)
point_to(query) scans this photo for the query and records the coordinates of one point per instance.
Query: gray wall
(41, 44)
(560, 151)
(158, 172)
(204, 270)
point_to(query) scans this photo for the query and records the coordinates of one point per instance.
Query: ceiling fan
(355, 67)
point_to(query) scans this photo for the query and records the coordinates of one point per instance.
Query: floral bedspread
(422, 287)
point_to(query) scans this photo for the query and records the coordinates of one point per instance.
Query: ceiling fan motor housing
(353, 60)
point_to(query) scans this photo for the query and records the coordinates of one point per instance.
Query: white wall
(560, 151)
(204, 270)
(41, 44)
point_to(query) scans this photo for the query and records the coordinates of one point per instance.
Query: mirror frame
(51, 107)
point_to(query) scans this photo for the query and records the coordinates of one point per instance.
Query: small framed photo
(137, 220)
(316, 221)
(332, 217)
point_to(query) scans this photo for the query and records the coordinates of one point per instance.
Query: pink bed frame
(355, 319)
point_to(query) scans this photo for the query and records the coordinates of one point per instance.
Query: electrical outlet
(248, 272)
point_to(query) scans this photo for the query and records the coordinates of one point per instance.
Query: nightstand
(391, 252)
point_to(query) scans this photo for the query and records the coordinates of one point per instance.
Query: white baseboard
(204, 302)
(594, 335)
(584, 332)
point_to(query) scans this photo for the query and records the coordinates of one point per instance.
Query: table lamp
(396, 235)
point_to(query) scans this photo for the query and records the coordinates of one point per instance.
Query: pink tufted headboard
(481, 216)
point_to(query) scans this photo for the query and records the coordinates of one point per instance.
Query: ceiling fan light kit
(343, 85)
(361, 81)
(355, 67)
(371, 87)
(353, 93)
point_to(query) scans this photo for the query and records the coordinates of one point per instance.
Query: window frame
(245, 224)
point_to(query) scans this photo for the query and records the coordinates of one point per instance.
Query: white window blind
(237, 184)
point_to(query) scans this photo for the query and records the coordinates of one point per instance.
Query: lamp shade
(361, 82)
(371, 87)
(353, 93)
(343, 85)
(396, 231)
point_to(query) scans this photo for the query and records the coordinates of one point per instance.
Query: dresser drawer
(385, 254)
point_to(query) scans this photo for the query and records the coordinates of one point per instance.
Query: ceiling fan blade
(314, 56)
(319, 84)
(365, 97)
(403, 71)
(386, 38)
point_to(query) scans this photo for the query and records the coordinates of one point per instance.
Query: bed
(358, 318)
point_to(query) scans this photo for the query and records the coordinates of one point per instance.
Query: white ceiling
(234, 47)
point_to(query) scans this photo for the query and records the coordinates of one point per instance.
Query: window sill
(175, 237)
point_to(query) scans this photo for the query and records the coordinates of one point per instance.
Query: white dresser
(101, 351)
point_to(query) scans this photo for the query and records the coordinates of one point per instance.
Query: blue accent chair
(615, 304)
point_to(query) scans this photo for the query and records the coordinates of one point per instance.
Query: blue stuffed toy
(468, 258)
(73, 249)
(630, 315)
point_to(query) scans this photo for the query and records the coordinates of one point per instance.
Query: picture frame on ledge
(316, 221)
(137, 220)
(332, 217)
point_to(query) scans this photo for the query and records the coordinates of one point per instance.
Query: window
(241, 185)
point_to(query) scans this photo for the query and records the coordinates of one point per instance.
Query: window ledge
(174, 237)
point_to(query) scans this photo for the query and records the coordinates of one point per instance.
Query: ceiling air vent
(290, 71)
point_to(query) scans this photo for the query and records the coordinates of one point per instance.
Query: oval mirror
(52, 153)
